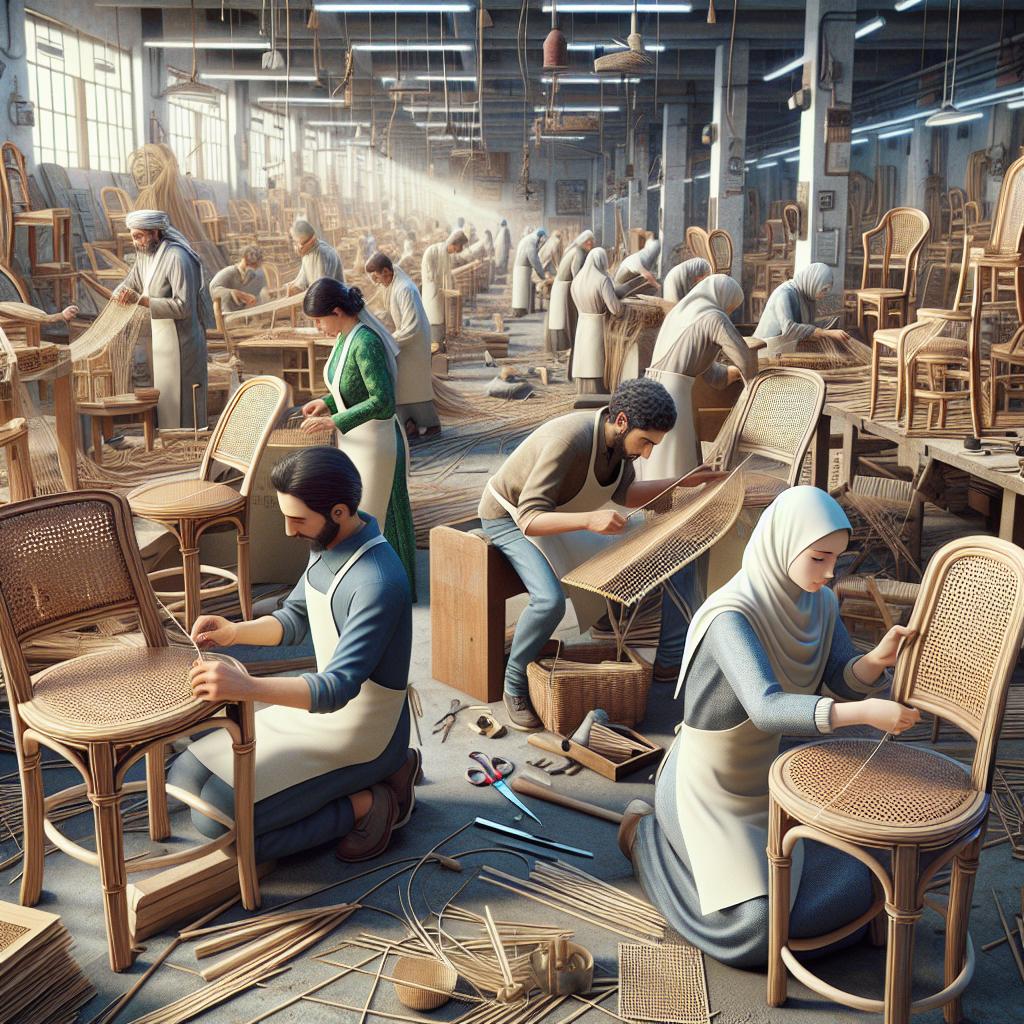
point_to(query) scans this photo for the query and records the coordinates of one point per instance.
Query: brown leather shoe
(372, 834)
(403, 785)
(635, 810)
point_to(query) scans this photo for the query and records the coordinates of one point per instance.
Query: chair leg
(961, 889)
(875, 371)
(779, 868)
(245, 781)
(106, 813)
(191, 572)
(159, 820)
(244, 575)
(877, 927)
(32, 794)
(903, 914)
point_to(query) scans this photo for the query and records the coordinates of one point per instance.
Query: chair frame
(103, 755)
(720, 238)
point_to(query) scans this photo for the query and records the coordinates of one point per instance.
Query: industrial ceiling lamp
(947, 114)
(556, 48)
(634, 58)
(189, 87)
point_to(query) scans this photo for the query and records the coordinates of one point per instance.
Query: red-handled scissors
(492, 772)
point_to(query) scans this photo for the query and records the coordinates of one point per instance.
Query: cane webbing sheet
(9, 934)
(662, 983)
(697, 517)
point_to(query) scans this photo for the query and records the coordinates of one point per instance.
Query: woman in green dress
(360, 405)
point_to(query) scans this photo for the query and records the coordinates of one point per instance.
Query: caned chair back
(12, 287)
(775, 235)
(1008, 222)
(244, 427)
(957, 217)
(70, 560)
(777, 420)
(720, 247)
(273, 276)
(893, 247)
(791, 223)
(969, 619)
(697, 243)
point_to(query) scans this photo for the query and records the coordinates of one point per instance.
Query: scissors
(492, 772)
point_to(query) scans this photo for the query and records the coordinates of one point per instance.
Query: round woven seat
(121, 689)
(902, 792)
(179, 498)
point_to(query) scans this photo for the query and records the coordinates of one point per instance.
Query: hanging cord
(945, 64)
(520, 56)
(730, 96)
(956, 50)
(480, 73)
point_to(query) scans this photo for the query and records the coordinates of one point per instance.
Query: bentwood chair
(191, 506)
(720, 246)
(921, 808)
(70, 561)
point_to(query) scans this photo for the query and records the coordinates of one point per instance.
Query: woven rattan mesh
(644, 559)
(761, 489)
(117, 686)
(186, 497)
(60, 562)
(293, 437)
(894, 591)
(963, 640)
(247, 420)
(936, 337)
(901, 784)
(1011, 213)
(908, 227)
(777, 419)
(662, 983)
(9, 934)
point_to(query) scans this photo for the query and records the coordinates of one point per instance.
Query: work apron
(166, 359)
(522, 288)
(679, 451)
(565, 551)
(722, 804)
(294, 745)
(557, 306)
(372, 446)
(588, 346)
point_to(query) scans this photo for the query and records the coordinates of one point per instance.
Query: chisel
(518, 833)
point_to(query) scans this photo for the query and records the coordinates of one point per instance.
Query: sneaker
(635, 810)
(521, 715)
(372, 834)
(403, 784)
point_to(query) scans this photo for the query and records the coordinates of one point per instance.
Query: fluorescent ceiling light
(896, 133)
(949, 115)
(1015, 105)
(616, 8)
(208, 44)
(573, 109)
(611, 48)
(702, 177)
(859, 142)
(767, 164)
(256, 76)
(868, 27)
(382, 7)
(442, 125)
(588, 80)
(338, 124)
(390, 79)
(905, 5)
(563, 138)
(302, 101)
(468, 109)
(413, 47)
(785, 69)
(792, 160)
(974, 101)
(895, 120)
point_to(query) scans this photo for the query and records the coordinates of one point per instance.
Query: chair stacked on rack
(117, 204)
(765, 270)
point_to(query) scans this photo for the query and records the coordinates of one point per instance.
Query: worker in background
(684, 277)
(414, 389)
(527, 263)
(635, 275)
(333, 760)
(319, 259)
(241, 284)
(436, 276)
(167, 279)
(560, 327)
(791, 310)
(502, 247)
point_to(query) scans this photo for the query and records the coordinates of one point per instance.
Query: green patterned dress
(368, 391)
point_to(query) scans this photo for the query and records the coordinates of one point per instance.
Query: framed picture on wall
(571, 197)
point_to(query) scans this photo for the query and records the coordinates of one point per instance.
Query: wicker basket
(584, 676)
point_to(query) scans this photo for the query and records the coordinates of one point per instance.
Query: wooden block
(439, 364)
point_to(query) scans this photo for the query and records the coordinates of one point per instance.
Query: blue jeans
(541, 616)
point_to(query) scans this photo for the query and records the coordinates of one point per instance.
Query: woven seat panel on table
(185, 498)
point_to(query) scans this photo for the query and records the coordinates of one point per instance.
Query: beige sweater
(550, 468)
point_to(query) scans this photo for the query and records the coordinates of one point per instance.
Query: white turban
(147, 220)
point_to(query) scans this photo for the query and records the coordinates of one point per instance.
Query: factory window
(266, 148)
(198, 132)
(82, 89)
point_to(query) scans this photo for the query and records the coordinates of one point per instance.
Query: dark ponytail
(326, 295)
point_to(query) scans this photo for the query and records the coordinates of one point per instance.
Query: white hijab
(809, 281)
(650, 252)
(593, 271)
(794, 626)
(681, 280)
(583, 236)
(719, 292)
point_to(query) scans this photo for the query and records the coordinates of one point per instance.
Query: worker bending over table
(547, 510)
(242, 284)
(332, 750)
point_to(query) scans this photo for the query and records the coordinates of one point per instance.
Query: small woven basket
(420, 971)
(585, 676)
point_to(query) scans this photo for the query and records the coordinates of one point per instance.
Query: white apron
(166, 359)
(558, 319)
(294, 745)
(588, 346)
(565, 551)
(722, 802)
(678, 451)
(522, 288)
(371, 446)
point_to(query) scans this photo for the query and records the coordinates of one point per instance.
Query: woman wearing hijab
(594, 295)
(560, 324)
(760, 655)
(502, 247)
(789, 314)
(635, 275)
(360, 407)
(684, 277)
(689, 343)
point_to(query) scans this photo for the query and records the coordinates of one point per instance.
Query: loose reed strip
(1009, 936)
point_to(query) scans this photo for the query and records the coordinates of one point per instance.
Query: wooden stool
(14, 442)
(102, 415)
(470, 581)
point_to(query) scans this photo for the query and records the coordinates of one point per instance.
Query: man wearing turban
(167, 279)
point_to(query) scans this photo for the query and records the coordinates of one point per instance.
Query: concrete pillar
(675, 139)
(636, 197)
(607, 207)
(728, 148)
(918, 165)
(812, 135)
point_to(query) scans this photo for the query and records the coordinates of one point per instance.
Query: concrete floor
(445, 803)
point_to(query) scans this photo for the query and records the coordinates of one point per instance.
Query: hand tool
(528, 837)
(492, 773)
(528, 788)
(447, 720)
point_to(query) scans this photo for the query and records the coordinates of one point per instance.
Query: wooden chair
(213, 223)
(59, 270)
(189, 507)
(105, 265)
(901, 233)
(117, 204)
(72, 561)
(697, 244)
(720, 246)
(940, 346)
(14, 444)
(906, 800)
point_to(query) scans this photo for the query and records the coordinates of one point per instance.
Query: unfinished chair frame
(969, 623)
(47, 535)
(188, 508)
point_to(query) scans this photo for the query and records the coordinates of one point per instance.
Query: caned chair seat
(888, 337)
(174, 499)
(904, 793)
(114, 694)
